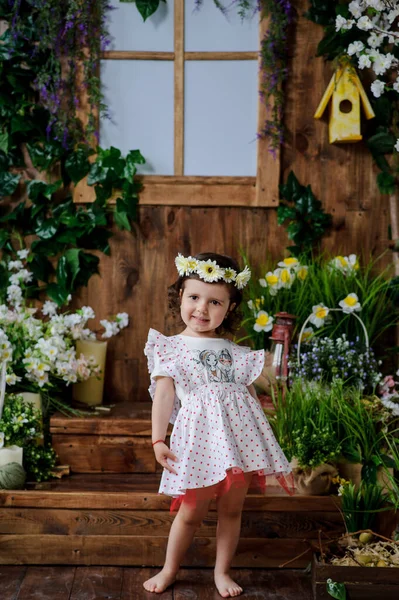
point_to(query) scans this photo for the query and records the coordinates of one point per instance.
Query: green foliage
(304, 424)
(22, 426)
(360, 504)
(42, 170)
(145, 7)
(336, 590)
(307, 221)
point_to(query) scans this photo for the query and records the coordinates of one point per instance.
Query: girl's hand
(162, 453)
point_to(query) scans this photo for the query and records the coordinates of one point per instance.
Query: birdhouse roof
(350, 73)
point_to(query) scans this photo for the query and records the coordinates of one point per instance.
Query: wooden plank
(359, 591)
(126, 550)
(40, 521)
(142, 500)
(144, 55)
(96, 583)
(10, 581)
(132, 586)
(47, 583)
(268, 163)
(182, 193)
(98, 454)
(221, 55)
(179, 88)
(136, 55)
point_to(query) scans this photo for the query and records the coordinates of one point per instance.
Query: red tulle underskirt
(235, 478)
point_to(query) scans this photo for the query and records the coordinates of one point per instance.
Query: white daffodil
(350, 304)
(302, 272)
(12, 379)
(185, 265)
(1, 439)
(289, 263)
(263, 321)
(242, 278)
(229, 275)
(287, 278)
(271, 281)
(256, 304)
(209, 271)
(319, 314)
(307, 334)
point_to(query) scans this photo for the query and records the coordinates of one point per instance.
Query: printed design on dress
(215, 366)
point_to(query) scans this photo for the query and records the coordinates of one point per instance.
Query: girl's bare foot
(159, 582)
(226, 587)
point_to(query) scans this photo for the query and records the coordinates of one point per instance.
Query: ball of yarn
(12, 477)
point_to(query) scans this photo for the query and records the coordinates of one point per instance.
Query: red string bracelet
(153, 443)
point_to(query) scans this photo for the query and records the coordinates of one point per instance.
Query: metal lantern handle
(366, 337)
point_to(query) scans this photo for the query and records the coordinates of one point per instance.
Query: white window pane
(220, 112)
(139, 96)
(207, 29)
(129, 32)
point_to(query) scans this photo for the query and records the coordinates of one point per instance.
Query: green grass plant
(361, 504)
(371, 283)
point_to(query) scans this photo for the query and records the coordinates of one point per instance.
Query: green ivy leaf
(4, 142)
(47, 229)
(336, 590)
(36, 189)
(120, 215)
(8, 183)
(147, 7)
(386, 183)
(57, 293)
(77, 165)
(292, 189)
(41, 267)
(381, 143)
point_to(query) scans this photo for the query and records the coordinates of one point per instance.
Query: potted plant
(304, 424)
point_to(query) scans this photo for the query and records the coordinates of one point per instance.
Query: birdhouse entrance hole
(345, 106)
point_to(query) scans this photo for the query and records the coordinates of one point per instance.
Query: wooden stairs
(109, 512)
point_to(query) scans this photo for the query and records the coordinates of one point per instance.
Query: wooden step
(114, 442)
(121, 520)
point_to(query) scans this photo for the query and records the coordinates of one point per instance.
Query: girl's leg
(187, 521)
(229, 508)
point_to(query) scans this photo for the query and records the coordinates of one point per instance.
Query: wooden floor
(125, 583)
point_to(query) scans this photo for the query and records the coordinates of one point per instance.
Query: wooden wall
(135, 278)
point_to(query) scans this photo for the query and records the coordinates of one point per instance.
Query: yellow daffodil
(271, 281)
(350, 304)
(263, 321)
(319, 314)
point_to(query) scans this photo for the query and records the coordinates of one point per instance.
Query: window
(183, 88)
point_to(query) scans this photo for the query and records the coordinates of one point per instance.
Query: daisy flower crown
(210, 272)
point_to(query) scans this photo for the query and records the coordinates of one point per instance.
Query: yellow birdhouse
(345, 91)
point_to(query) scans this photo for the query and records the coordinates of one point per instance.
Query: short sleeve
(250, 362)
(162, 362)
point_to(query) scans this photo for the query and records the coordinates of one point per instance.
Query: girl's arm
(162, 407)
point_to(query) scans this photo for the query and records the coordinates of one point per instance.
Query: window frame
(185, 190)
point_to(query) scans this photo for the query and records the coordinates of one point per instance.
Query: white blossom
(377, 87)
(355, 9)
(355, 48)
(364, 61)
(23, 254)
(364, 23)
(49, 308)
(342, 23)
(397, 145)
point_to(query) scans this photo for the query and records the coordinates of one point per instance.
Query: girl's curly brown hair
(232, 320)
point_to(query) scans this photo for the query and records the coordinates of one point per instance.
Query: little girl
(221, 438)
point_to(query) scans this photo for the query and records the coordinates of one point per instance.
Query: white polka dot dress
(218, 425)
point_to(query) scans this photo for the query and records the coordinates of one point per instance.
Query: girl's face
(203, 307)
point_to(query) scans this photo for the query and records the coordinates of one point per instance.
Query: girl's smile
(203, 307)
